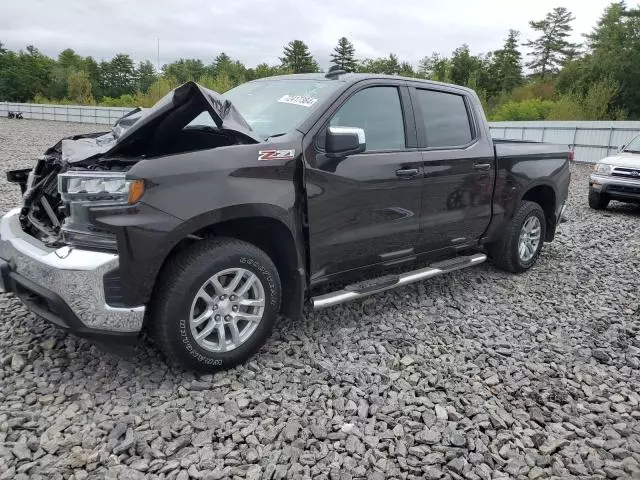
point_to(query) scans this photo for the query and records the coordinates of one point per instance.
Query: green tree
(393, 65)
(507, 64)
(219, 83)
(93, 70)
(406, 70)
(79, 88)
(146, 76)
(297, 58)
(263, 70)
(184, 70)
(388, 65)
(25, 74)
(435, 67)
(118, 76)
(552, 48)
(223, 65)
(613, 55)
(68, 63)
(344, 55)
(464, 66)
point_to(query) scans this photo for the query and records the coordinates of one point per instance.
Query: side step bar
(369, 287)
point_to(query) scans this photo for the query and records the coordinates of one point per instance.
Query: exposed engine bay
(188, 118)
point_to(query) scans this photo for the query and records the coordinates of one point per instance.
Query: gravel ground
(476, 375)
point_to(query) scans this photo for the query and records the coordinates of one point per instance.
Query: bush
(79, 88)
(567, 107)
(121, 101)
(39, 98)
(155, 92)
(534, 109)
(536, 90)
(219, 83)
(598, 100)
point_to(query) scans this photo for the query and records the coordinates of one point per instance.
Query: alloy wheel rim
(529, 238)
(227, 310)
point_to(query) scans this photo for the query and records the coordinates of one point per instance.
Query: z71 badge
(276, 154)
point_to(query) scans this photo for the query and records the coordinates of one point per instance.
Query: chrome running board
(369, 287)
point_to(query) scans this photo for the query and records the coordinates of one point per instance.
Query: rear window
(445, 118)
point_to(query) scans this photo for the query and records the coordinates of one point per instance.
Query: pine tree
(297, 58)
(344, 56)
(552, 49)
(463, 65)
(146, 76)
(507, 64)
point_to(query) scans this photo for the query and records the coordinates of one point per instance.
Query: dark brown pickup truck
(207, 216)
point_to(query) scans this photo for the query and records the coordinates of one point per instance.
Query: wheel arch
(267, 227)
(544, 194)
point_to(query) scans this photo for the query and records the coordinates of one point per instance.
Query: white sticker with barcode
(300, 100)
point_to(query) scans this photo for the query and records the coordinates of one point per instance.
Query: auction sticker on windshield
(300, 100)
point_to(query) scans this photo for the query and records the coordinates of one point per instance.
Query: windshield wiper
(631, 151)
(274, 135)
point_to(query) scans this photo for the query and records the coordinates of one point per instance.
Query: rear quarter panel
(522, 166)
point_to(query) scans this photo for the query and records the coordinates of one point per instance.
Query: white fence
(65, 113)
(590, 140)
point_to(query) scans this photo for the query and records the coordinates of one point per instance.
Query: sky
(255, 31)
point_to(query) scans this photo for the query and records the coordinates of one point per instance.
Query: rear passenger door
(459, 167)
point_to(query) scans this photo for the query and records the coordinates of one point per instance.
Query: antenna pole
(158, 67)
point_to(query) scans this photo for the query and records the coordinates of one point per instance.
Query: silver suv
(616, 177)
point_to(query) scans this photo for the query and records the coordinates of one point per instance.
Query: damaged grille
(42, 212)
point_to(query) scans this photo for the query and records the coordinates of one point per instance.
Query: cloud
(255, 31)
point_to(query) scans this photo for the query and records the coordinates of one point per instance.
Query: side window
(445, 117)
(378, 112)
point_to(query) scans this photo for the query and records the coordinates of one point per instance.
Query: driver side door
(364, 210)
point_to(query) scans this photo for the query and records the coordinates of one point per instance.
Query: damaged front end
(44, 214)
(88, 172)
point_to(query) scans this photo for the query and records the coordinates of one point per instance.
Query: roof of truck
(350, 78)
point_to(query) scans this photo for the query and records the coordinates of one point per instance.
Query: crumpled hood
(190, 97)
(624, 159)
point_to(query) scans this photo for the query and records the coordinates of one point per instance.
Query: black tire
(598, 201)
(504, 253)
(178, 285)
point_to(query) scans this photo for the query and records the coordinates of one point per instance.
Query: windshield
(633, 145)
(273, 107)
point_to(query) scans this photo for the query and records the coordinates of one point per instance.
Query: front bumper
(617, 188)
(65, 285)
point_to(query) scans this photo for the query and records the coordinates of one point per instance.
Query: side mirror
(343, 141)
(621, 148)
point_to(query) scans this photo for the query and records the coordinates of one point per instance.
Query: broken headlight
(82, 191)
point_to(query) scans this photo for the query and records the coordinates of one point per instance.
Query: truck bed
(512, 149)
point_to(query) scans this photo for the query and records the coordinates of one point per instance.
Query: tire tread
(174, 279)
(504, 252)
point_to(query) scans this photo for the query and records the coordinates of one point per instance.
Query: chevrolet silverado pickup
(616, 177)
(206, 217)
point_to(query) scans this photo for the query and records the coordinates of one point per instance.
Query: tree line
(559, 80)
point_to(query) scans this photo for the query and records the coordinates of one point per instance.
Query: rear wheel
(520, 246)
(216, 304)
(598, 201)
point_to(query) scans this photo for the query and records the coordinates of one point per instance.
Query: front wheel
(598, 201)
(216, 304)
(521, 243)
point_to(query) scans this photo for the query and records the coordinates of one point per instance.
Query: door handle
(481, 166)
(407, 172)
